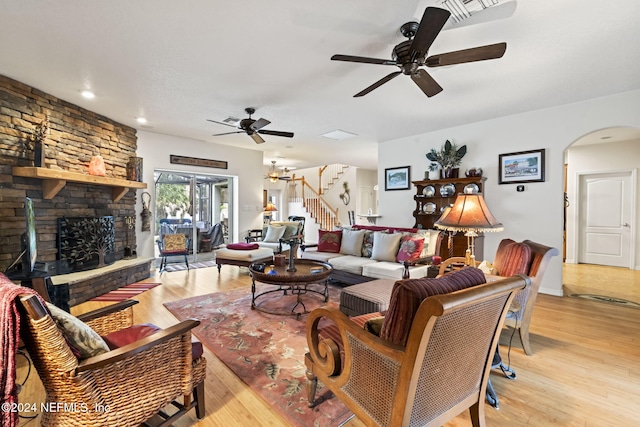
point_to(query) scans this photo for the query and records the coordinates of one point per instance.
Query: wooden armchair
(122, 387)
(177, 244)
(534, 267)
(442, 370)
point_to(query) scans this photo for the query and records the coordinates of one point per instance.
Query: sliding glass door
(192, 204)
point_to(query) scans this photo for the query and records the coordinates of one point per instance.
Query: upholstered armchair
(528, 258)
(148, 369)
(276, 234)
(427, 367)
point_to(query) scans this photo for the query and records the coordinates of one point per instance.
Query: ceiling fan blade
(276, 133)
(481, 53)
(362, 59)
(425, 82)
(259, 124)
(256, 138)
(430, 26)
(377, 84)
(227, 133)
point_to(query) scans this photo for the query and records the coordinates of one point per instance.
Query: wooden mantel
(54, 180)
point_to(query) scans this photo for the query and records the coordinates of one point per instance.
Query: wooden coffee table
(295, 282)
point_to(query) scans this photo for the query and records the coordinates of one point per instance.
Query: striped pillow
(407, 295)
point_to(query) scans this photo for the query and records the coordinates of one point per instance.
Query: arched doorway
(601, 196)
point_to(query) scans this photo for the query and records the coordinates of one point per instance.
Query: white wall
(244, 166)
(593, 159)
(536, 213)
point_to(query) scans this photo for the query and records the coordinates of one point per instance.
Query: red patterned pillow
(407, 295)
(410, 248)
(514, 258)
(329, 241)
(242, 246)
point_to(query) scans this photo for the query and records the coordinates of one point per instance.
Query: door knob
(625, 224)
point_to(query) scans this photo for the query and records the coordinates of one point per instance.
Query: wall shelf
(54, 180)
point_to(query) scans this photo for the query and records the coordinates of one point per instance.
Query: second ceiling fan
(253, 128)
(411, 54)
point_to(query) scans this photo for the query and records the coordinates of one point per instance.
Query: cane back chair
(442, 370)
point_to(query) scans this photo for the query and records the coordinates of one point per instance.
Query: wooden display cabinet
(432, 198)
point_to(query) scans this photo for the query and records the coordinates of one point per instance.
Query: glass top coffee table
(290, 282)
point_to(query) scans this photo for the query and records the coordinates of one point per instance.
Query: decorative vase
(473, 172)
(134, 169)
(38, 154)
(450, 172)
(433, 175)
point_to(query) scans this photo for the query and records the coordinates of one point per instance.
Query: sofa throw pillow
(513, 259)
(367, 244)
(78, 334)
(374, 325)
(410, 248)
(430, 239)
(407, 295)
(274, 234)
(385, 246)
(290, 231)
(329, 241)
(351, 243)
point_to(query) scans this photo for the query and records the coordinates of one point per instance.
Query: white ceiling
(180, 63)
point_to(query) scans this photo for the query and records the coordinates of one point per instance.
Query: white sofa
(355, 262)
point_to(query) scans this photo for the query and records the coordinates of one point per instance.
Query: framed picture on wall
(397, 178)
(523, 166)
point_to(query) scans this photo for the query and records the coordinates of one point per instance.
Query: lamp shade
(270, 207)
(468, 213)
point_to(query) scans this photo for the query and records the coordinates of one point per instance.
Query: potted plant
(448, 157)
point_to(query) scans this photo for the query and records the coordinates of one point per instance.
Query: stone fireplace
(75, 136)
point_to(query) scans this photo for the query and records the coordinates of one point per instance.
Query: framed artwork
(397, 178)
(523, 166)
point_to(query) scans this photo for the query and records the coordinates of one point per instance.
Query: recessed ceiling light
(141, 120)
(88, 94)
(339, 135)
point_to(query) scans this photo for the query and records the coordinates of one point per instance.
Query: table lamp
(470, 214)
(268, 210)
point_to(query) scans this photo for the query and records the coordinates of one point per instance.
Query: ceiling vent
(463, 9)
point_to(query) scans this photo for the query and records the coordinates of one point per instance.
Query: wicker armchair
(442, 370)
(123, 387)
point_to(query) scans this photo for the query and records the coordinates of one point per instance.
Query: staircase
(323, 214)
(328, 175)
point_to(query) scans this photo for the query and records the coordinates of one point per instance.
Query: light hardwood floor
(585, 370)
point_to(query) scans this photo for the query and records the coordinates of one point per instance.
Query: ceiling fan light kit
(411, 54)
(251, 127)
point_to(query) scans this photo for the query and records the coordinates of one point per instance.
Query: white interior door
(606, 205)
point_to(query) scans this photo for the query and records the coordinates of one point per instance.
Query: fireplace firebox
(86, 243)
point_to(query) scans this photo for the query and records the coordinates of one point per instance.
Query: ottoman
(243, 258)
(368, 297)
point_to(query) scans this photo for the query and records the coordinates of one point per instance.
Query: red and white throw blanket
(9, 337)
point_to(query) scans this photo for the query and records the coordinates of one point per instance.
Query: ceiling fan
(411, 54)
(253, 127)
(274, 175)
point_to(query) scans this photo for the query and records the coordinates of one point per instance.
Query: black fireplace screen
(86, 242)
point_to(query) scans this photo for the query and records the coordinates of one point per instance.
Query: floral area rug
(266, 351)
